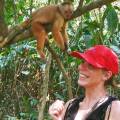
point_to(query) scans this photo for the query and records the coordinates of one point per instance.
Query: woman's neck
(93, 95)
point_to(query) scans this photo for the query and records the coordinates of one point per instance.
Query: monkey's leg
(58, 38)
(65, 38)
(65, 35)
(40, 34)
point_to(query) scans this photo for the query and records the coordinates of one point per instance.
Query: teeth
(82, 75)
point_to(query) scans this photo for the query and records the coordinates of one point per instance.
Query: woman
(99, 65)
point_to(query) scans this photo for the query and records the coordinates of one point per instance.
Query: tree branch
(66, 76)
(93, 5)
(80, 3)
(44, 89)
(16, 33)
(3, 25)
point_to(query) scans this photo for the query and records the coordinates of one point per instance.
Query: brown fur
(57, 16)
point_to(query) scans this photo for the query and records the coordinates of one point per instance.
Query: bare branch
(43, 91)
(81, 3)
(3, 25)
(61, 66)
(93, 5)
(16, 33)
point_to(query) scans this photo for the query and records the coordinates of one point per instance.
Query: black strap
(72, 109)
(74, 106)
(109, 111)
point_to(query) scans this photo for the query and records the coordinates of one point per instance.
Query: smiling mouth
(82, 75)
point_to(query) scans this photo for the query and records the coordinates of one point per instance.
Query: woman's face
(90, 76)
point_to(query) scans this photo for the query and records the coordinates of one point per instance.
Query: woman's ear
(107, 75)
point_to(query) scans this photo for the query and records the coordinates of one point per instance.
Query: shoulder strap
(72, 109)
(101, 110)
(109, 111)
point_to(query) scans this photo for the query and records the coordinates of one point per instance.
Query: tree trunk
(3, 26)
(44, 89)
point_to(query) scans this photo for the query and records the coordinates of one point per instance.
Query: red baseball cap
(99, 56)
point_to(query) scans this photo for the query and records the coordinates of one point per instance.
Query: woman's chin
(81, 83)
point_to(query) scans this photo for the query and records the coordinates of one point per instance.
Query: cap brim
(77, 54)
(87, 58)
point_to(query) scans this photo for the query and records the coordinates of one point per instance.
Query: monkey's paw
(42, 55)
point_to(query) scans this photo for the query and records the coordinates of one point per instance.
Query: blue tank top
(97, 114)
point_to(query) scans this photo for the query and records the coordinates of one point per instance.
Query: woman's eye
(91, 66)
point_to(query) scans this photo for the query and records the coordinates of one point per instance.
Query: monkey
(55, 15)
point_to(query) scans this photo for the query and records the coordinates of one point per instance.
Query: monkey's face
(67, 11)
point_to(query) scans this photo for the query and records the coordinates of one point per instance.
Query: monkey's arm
(40, 34)
(56, 30)
(65, 35)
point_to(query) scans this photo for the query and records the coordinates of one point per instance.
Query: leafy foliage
(112, 18)
(21, 69)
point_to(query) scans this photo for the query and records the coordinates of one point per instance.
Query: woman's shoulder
(74, 100)
(116, 105)
(115, 110)
(69, 101)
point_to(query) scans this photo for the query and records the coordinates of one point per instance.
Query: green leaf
(112, 18)
(33, 102)
(117, 8)
(87, 1)
(58, 96)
